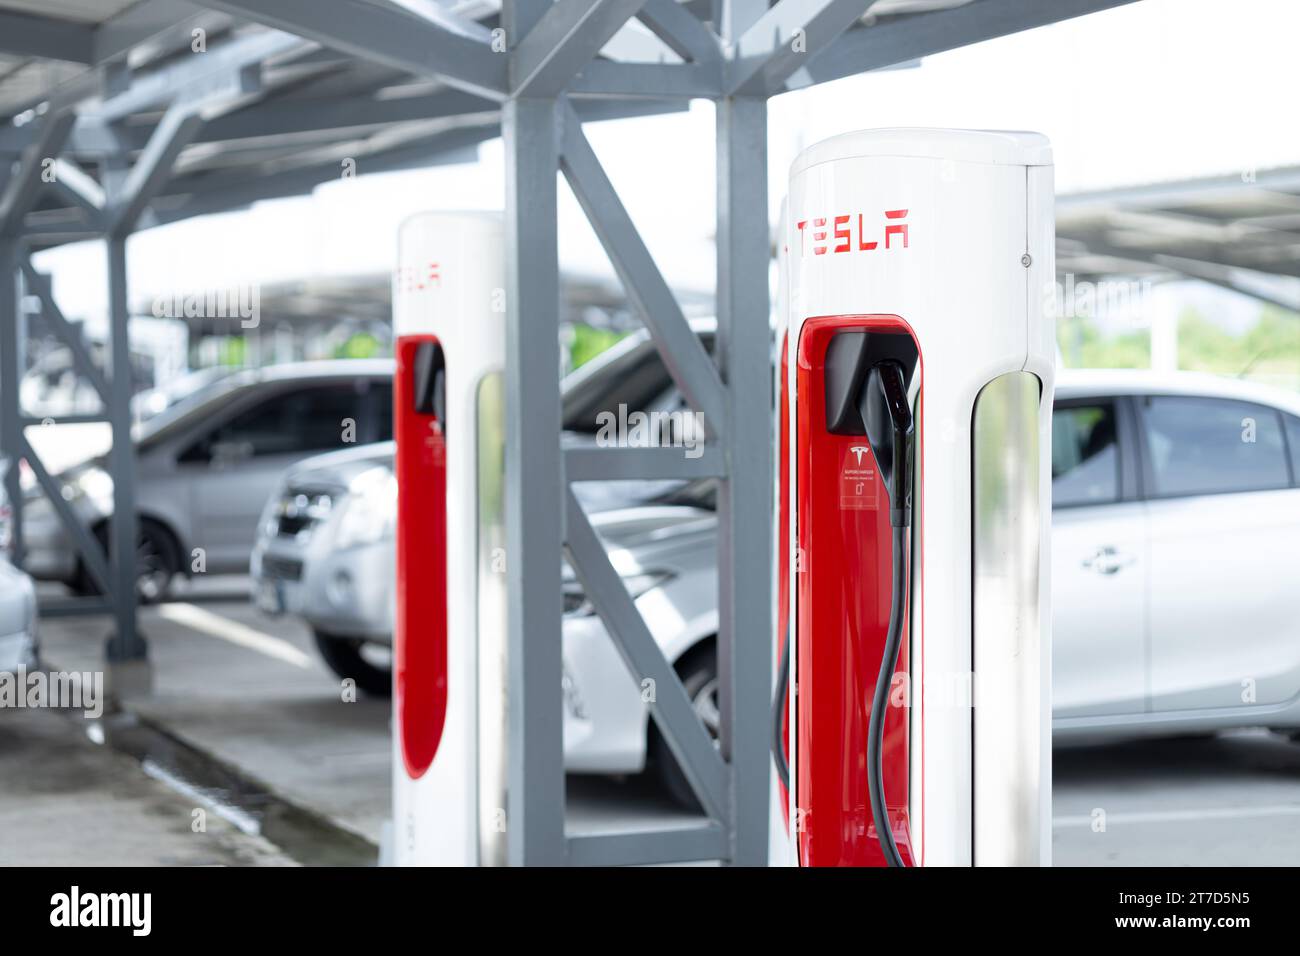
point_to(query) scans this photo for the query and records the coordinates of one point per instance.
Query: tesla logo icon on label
(858, 486)
(848, 233)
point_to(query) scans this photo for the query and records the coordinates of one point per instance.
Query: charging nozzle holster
(868, 375)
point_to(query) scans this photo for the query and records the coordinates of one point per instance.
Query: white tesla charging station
(449, 695)
(920, 380)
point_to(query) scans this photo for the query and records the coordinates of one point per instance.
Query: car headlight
(573, 702)
(369, 511)
(93, 483)
(575, 598)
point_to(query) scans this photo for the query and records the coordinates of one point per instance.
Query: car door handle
(1107, 560)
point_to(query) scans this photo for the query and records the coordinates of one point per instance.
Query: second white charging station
(449, 700)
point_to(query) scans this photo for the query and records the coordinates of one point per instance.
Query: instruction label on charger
(858, 486)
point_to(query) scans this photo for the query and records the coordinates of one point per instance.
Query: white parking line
(232, 815)
(215, 625)
(1184, 816)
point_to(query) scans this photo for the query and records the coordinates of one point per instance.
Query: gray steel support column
(11, 365)
(745, 497)
(535, 498)
(126, 645)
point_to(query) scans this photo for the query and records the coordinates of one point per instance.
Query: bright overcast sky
(1160, 89)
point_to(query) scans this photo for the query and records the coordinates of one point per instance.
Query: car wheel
(157, 561)
(157, 558)
(698, 670)
(349, 658)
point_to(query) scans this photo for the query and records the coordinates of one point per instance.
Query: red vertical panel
(842, 602)
(420, 637)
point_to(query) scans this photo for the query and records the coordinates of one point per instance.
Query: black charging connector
(887, 413)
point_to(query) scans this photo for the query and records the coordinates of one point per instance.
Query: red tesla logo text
(418, 278)
(848, 233)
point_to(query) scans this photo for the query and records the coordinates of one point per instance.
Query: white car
(1175, 555)
(325, 554)
(18, 647)
(1175, 561)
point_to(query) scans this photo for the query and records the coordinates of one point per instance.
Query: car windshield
(199, 401)
(701, 493)
(634, 376)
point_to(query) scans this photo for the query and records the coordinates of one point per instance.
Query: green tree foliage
(1084, 346)
(588, 342)
(1268, 351)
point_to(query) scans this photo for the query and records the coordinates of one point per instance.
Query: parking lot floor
(67, 801)
(250, 693)
(1228, 800)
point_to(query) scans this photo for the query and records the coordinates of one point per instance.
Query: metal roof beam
(79, 187)
(184, 197)
(228, 191)
(1222, 254)
(565, 39)
(784, 38)
(149, 173)
(1216, 273)
(197, 73)
(24, 187)
(384, 35)
(24, 35)
(686, 81)
(682, 31)
(1283, 181)
(144, 23)
(278, 118)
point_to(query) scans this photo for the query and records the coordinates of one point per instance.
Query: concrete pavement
(66, 801)
(248, 693)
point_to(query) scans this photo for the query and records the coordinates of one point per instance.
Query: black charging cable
(880, 702)
(778, 713)
(892, 446)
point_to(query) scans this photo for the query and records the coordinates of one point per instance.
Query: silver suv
(325, 542)
(206, 466)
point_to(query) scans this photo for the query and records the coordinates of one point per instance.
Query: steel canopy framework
(1231, 231)
(147, 134)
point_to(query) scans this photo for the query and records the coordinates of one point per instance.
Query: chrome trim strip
(1005, 638)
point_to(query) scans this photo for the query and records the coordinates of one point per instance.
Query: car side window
(639, 381)
(382, 409)
(1293, 443)
(1204, 446)
(1085, 454)
(297, 421)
